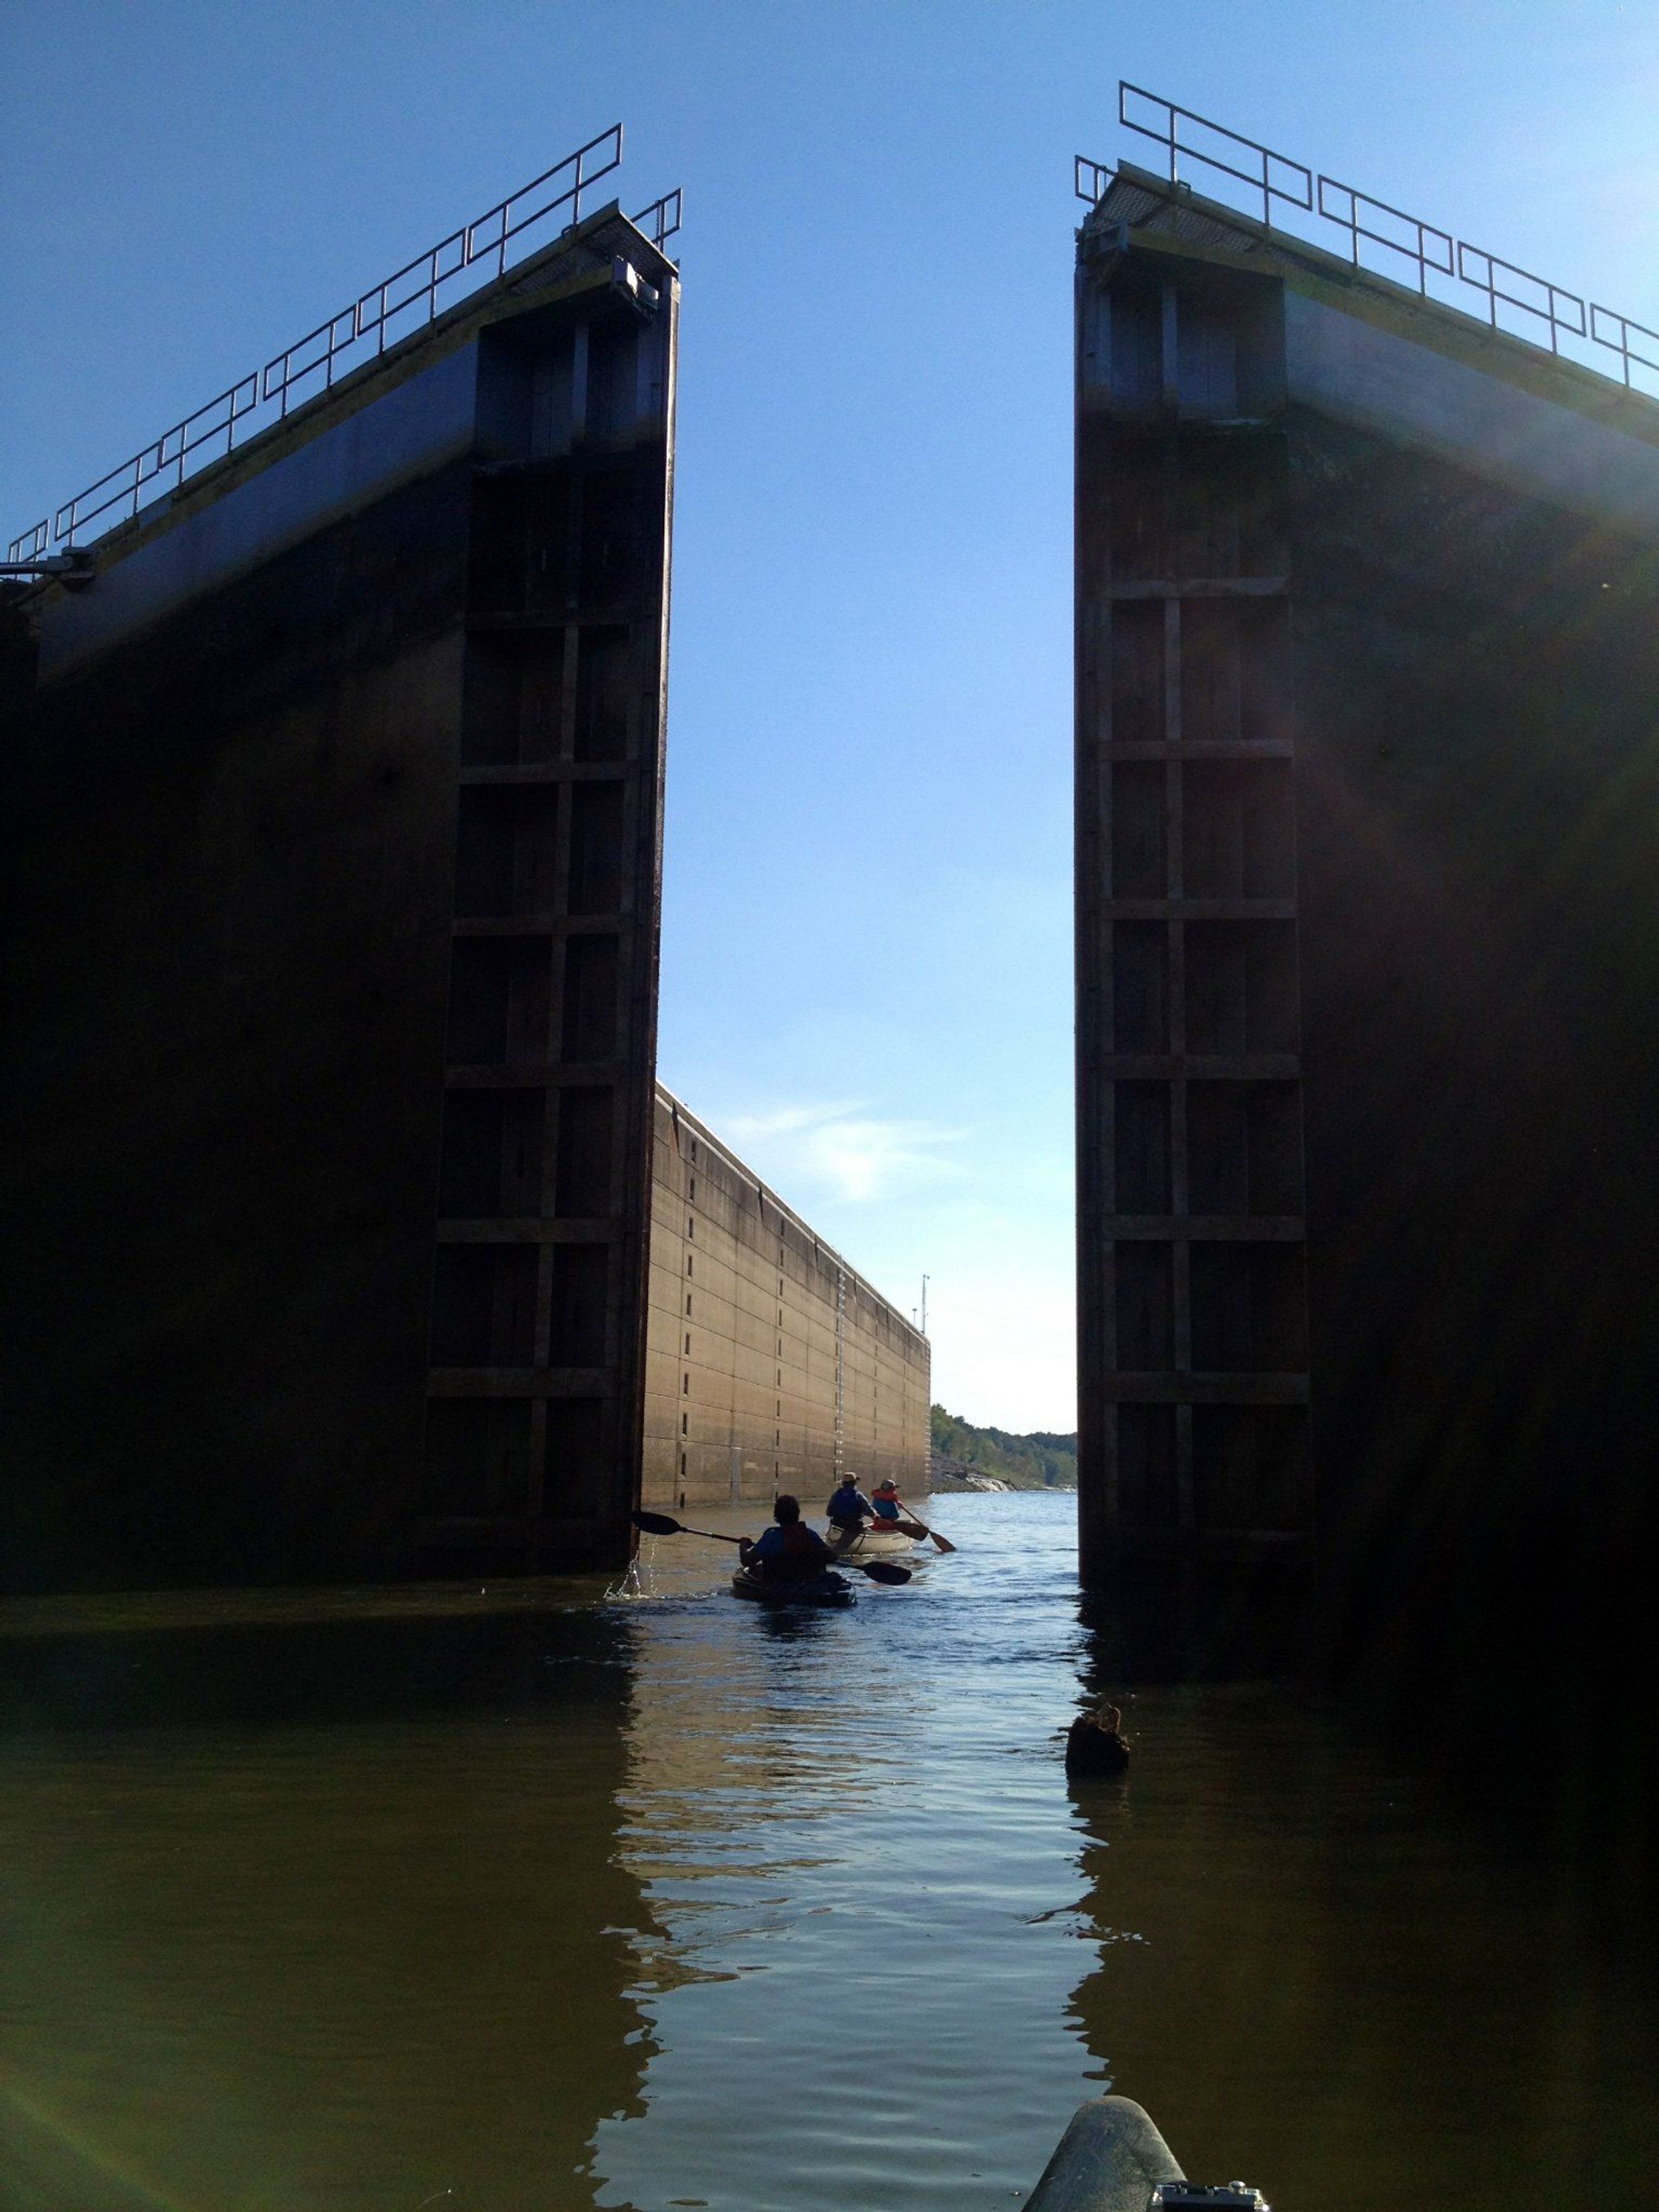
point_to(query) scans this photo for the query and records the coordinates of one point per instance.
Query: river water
(514, 1900)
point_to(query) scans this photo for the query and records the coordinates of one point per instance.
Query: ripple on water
(642, 1898)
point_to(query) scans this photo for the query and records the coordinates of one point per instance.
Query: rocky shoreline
(948, 1477)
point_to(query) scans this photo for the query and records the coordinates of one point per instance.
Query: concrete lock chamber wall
(1367, 747)
(772, 1364)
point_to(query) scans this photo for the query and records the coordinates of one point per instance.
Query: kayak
(827, 1588)
(874, 1543)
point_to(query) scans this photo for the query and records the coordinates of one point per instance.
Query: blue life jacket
(796, 1552)
(848, 1506)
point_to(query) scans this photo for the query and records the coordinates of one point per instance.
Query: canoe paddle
(659, 1524)
(941, 1543)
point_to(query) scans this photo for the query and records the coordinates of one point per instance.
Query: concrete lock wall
(771, 1365)
(1367, 746)
(332, 839)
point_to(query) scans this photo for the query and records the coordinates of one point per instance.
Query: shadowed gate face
(536, 1388)
(1192, 1298)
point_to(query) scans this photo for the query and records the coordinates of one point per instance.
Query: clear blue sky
(866, 977)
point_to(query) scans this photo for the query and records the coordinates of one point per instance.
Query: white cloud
(845, 1149)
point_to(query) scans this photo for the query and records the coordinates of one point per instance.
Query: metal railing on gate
(1380, 236)
(661, 219)
(403, 303)
(1260, 176)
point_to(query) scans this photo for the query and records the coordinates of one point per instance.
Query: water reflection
(346, 1937)
(1317, 1971)
(1309, 1963)
(540, 1898)
(846, 1820)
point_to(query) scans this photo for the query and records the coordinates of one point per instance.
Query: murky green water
(670, 1902)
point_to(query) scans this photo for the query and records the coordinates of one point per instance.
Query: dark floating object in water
(1094, 1745)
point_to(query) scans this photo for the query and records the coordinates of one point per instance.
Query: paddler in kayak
(790, 1551)
(885, 1505)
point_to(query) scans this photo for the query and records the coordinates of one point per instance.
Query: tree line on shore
(1040, 1461)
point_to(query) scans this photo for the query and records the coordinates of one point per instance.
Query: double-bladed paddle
(660, 1524)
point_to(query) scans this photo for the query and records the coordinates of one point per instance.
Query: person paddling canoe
(790, 1551)
(885, 1504)
(848, 1510)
